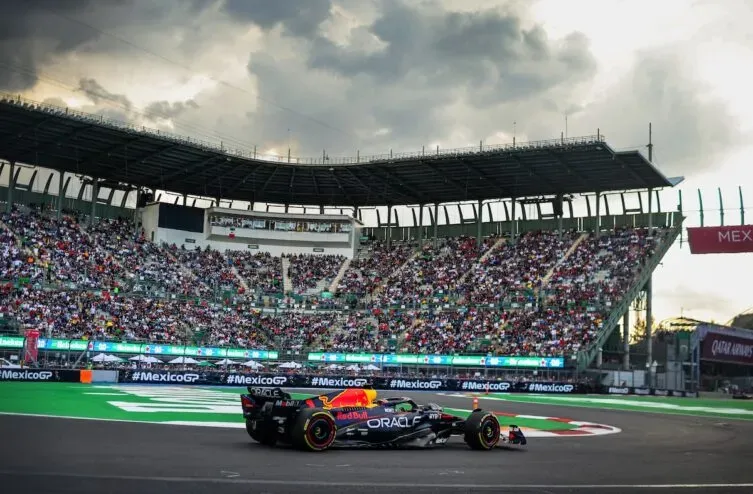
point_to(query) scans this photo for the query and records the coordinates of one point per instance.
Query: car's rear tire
(314, 430)
(260, 434)
(482, 430)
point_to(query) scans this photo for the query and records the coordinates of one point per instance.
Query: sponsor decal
(397, 422)
(256, 380)
(414, 384)
(266, 392)
(351, 416)
(550, 388)
(721, 239)
(661, 392)
(483, 386)
(288, 403)
(25, 375)
(727, 348)
(341, 382)
(614, 390)
(642, 391)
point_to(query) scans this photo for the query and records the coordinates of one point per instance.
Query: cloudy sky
(374, 75)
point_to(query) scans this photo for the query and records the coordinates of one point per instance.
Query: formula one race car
(355, 418)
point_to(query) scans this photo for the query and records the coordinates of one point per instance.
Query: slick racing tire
(314, 430)
(482, 430)
(259, 433)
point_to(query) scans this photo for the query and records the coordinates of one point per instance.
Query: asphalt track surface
(679, 453)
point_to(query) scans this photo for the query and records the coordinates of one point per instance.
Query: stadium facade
(111, 157)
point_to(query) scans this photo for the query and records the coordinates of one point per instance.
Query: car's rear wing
(269, 393)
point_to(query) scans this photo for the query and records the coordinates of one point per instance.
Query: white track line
(496, 487)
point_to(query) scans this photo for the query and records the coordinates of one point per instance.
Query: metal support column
(61, 192)
(649, 325)
(626, 340)
(598, 214)
(420, 236)
(95, 195)
(479, 231)
(650, 210)
(185, 199)
(513, 223)
(436, 223)
(389, 227)
(11, 186)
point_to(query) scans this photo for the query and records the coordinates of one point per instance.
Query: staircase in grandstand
(340, 273)
(585, 357)
(497, 245)
(568, 253)
(287, 283)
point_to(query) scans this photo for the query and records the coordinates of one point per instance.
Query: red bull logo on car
(352, 397)
(352, 416)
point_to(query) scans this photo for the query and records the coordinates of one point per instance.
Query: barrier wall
(323, 382)
(40, 375)
(382, 383)
(629, 390)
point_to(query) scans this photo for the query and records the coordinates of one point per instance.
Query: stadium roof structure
(70, 141)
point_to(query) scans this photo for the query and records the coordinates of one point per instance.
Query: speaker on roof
(557, 205)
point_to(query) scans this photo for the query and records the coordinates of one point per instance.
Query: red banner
(31, 349)
(721, 239)
(724, 348)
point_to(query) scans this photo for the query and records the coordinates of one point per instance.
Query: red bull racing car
(355, 418)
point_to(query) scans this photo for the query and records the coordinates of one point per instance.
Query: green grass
(94, 401)
(718, 408)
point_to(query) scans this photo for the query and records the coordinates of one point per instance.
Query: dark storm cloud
(167, 111)
(488, 52)
(119, 107)
(297, 18)
(437, 72)
(98, 95)
(34, 33)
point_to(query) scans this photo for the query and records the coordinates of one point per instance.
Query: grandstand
(542, 285)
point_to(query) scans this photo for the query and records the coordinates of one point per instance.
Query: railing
(323, 160)
(585, 357)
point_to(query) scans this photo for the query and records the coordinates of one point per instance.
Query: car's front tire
(482, 430)
(314, 430)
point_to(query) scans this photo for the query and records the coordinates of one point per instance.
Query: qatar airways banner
(721, 239)
(726, 348)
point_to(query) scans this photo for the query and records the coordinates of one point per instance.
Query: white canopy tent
(183, 360)
(226, 361)
(253, 364)
(290, 365)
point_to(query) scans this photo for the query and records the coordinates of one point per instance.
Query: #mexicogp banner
(721, 239)
(214, 378)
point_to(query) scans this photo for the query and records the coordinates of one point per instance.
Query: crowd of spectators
(373, 267)
(308, 271)
(261, 271)
(433, 274)
(82, 281)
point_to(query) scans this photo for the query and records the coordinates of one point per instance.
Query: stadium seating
(543, 294)
(313, 273)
